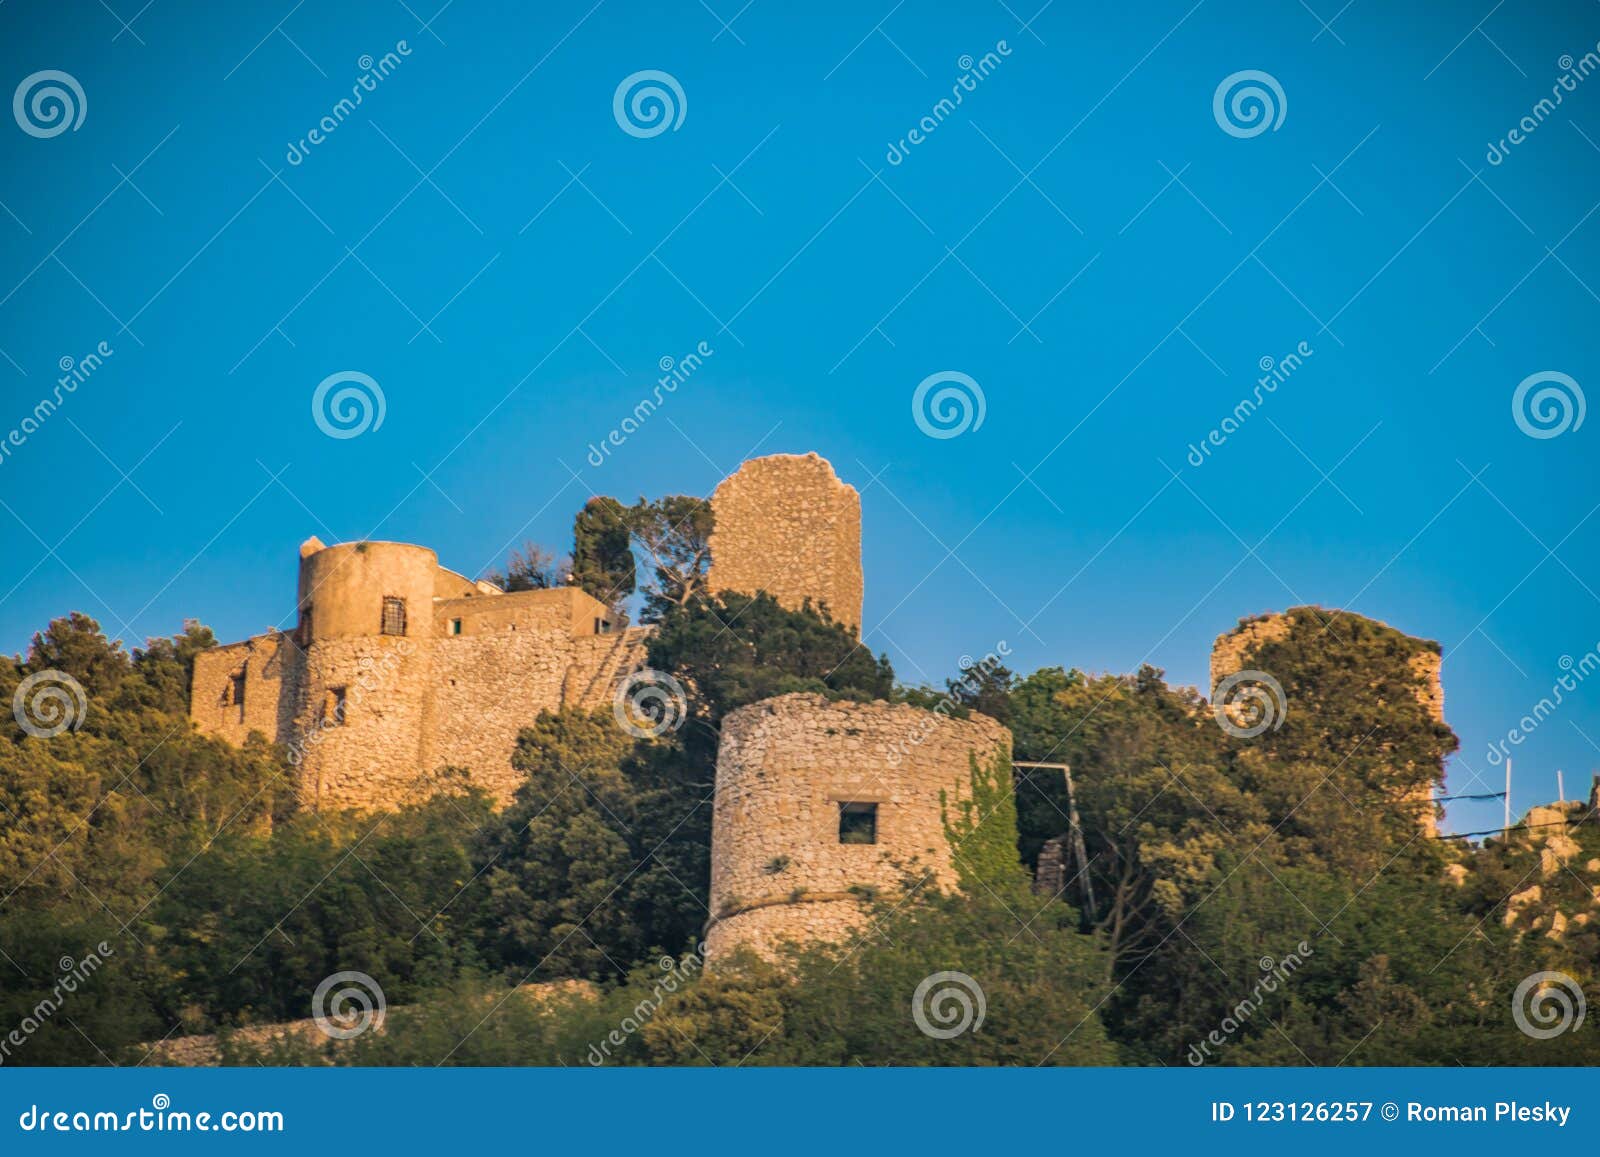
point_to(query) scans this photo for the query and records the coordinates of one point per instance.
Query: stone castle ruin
(398, 667)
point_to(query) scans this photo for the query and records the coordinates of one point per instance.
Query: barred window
(394, 616)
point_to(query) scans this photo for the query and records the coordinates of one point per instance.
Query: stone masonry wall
(785, 524)
(216, 709)
(371, 758)
(412, 703)
(784, 766)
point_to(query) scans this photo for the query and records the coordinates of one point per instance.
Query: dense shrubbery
(222, 905)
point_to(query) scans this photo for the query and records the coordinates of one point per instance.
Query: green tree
(674, 536)
(602, 552)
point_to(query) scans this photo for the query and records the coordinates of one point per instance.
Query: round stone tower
(819, 803)
(366, 623)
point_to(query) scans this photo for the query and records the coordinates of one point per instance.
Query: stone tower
(1236, 651)
(399, 667)
(817, 800)
(787, 525)
(366, 622)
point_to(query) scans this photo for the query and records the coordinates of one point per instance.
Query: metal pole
(1561, 787)
(1505, 831)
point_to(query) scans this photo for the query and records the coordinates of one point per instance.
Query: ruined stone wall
(778, 868)
(370, 756)
(1233, 651)
(214, 704)
(787, 525)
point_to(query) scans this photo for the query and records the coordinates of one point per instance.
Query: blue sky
(1081, 237)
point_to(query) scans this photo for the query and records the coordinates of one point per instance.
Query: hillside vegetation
(1216, 864)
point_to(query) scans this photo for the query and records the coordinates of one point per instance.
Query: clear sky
(1081, 236)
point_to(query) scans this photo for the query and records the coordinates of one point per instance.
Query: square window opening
(333, 704)
(858, 823)
(455, 626)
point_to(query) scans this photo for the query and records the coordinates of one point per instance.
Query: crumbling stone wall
(216, 707)
(1234, 650)
(787, 525)
(778, 868)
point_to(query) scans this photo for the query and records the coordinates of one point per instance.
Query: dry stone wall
(785, 765)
